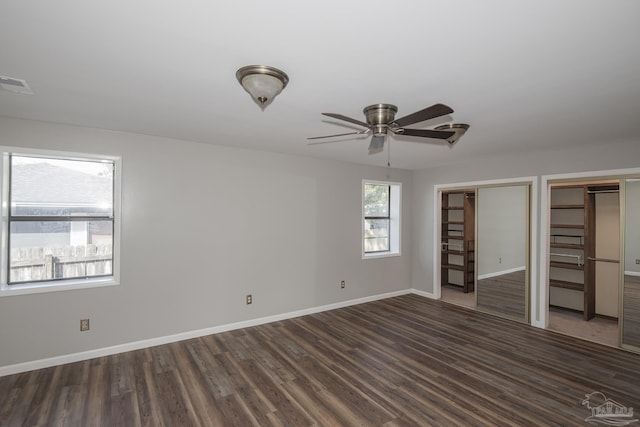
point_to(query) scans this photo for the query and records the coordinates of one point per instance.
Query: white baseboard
(538, 324)
(424, 293)
(137, 345)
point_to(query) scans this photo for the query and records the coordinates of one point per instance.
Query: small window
(381, 219)
(59, 224)
(376, 217)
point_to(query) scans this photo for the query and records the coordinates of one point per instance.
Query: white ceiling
(526, 75)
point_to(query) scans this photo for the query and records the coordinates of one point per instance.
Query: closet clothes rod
(616, 261)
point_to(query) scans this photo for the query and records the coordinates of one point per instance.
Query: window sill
(66, 285)
(373, 255)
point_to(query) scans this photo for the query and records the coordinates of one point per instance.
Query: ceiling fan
(380, 120)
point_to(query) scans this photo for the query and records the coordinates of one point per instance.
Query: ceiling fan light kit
(262, 82)
(380, 120)
(458, 128)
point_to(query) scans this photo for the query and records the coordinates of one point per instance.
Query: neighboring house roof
(49, 184)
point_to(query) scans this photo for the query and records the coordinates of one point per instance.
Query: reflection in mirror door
(502, 251)
(631, 287)
(457, 247)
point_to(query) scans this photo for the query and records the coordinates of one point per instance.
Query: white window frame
(66, 284)
(395, 220)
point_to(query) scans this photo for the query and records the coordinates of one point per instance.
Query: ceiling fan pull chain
(388, 153)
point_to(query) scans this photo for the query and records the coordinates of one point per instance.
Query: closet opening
(584, 259)
(457, 275)
(484, 254)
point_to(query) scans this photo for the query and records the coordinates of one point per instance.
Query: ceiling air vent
(15, 85)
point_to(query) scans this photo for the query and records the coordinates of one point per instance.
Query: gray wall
(607, 156)
(203, 225)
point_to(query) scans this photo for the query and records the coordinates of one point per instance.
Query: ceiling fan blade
(377, 144)
(330, 141)
(339, 134)
(426, 133)
(432, 112)
(346, 119)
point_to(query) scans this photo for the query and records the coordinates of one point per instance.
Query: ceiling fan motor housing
(379, 116)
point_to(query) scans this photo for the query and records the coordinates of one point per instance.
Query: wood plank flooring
(403, 361)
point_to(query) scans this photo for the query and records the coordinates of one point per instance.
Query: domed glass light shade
(262, 82)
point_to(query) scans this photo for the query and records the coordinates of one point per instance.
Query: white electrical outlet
(343, 284)
(84, 325)
(249, 299)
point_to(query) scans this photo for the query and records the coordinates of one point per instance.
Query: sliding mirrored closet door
(631, 279)
(502, 256)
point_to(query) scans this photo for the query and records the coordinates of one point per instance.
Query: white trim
(534, 307)
(486, 183)
(370, 255)
(604, 174)
(632, 273)
(137, 345)
(545, 228)
(500, 273)
(66, 285)
(424, 294)
(70, 155)
(437, 242)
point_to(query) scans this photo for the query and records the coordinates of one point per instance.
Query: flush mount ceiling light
(262, 82)
(459, 129)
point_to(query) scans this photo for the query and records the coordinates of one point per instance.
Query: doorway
(457, 268)
(584, 260)
(484, 233)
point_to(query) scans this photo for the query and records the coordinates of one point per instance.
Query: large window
(381, 218)
(59, 220)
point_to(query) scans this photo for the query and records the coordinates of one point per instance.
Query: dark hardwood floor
(404, 361)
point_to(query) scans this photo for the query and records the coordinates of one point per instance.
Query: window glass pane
(376, 235)
(59, 187)
(376, 200)
(46, 250)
